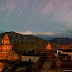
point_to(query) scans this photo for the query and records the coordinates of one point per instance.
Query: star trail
(35, 15)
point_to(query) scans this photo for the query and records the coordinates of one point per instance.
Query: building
(5, 45)
(66, 46)
(70, 45)
(32, 58)
(63, 46)
(48, 46)
(6, 52)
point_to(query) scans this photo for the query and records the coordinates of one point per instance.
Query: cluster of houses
(66, 51)
(66, 46)
(6, 52)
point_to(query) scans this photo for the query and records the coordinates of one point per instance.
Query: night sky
(36, 15)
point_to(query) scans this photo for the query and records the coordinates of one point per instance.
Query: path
(48, 62)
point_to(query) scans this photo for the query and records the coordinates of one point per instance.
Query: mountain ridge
(49, 35)
(24, 42)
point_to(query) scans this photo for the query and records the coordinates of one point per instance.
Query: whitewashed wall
(33, 58)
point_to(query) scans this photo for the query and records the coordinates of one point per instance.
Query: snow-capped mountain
(45, 36)
(37, 33)
(49, 35)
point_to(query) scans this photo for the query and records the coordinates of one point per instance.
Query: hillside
(26, 42)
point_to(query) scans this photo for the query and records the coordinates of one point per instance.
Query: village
(44, 60)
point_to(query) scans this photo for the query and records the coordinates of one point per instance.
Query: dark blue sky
(35, 15)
